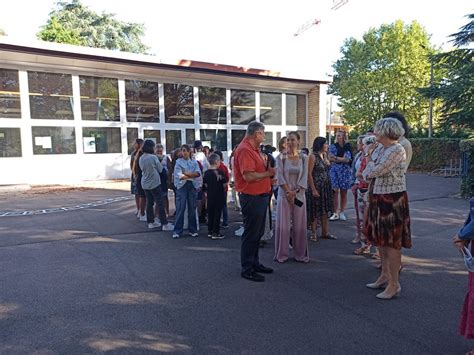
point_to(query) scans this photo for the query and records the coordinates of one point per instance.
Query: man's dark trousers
(254, 211)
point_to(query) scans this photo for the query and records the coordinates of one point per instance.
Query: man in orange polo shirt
(253, 182)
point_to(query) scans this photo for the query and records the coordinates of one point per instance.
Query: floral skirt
(387, 222)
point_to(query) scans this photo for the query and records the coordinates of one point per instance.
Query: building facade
(70, 114)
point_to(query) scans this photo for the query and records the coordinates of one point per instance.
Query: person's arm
(158, 165)
(332, 153)
(385, 166)
(311, 163)
(247, 167)
(303, 182)
(178, 173)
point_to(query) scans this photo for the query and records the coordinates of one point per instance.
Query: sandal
(362, 250)
(313, 238)
(328, 236)
(355, 240)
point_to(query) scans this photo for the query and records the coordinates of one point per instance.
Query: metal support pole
(430, 114)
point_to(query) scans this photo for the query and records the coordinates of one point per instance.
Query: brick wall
(313, 115)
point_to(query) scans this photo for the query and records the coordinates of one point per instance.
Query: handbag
(468, 259)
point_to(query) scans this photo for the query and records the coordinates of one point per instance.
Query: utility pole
(430, 114)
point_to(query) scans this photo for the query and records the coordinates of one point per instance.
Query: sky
(250, 33)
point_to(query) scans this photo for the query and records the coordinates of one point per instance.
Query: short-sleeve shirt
(247, 158)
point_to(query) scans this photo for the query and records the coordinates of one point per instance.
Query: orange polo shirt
(249, 159)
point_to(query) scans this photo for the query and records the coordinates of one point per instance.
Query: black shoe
(252, 276)
(263, 269)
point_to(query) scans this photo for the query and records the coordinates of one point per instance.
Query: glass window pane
(216, 139)
(153, 134)
(212, 105)
(302, 139)
(242, 106)
(10, 142)
(268, 138)
(295, 110)
(278, 137)
(99, 99)
(270, 108)
(142, 101)
(54, 140)
(9, 94)
(173, 140)
(50, 96)
(132, 135)
(179, 103)
(237, 136)
(101, 140)
(190, 136)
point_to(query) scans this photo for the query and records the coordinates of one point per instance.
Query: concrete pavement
(96, 280)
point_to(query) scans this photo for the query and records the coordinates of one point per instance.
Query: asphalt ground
(96, 280)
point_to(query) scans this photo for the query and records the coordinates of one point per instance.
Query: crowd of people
(305, 188)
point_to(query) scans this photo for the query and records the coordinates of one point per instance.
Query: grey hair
(389, 127)
(254, 126)
(361, 138)
(368, 140)
(214, 158)
(159, 146)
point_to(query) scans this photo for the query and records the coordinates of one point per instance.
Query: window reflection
(179, 103)
(10, 142)
(242, 106)
(9, 94)
(53, 140)
(212, 105)
(142, 101)
(99, 99)
(173, 140)
(132, 135)
(295, 110)
(270, 108)
(214, 138)
(153, 134)
(50, 96)
(190, 136)
(236, 136)
(101, 140)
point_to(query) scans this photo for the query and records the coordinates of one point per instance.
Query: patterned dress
(341, 174)
(322, 205)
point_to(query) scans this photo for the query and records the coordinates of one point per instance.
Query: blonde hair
(389, 127)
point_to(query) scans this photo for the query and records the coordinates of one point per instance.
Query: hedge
(467, 185)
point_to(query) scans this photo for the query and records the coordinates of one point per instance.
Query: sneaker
(153, 225)
(218, 236)
(209, 235)
(225, 226)
(137, 214)
(194, 235)
(342, 216)
(143, 218)
(334, 217)
(239, 232)
(176, 236)
(168, 227)
(157, 221)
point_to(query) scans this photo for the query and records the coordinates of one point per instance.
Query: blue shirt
(190, 166)
(467, 232)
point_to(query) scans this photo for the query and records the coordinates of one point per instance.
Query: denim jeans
(186, 195)
(152, 196)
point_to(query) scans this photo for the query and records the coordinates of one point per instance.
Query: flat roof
(95, 60)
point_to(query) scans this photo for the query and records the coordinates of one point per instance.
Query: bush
(467, 184)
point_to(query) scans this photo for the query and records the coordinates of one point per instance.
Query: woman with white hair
(388, 218)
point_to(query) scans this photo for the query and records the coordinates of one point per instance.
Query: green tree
(382, 72)
(456, 87)
(74, 23)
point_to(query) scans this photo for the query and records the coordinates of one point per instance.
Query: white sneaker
(157, 220)
(239, 232)
(168, 227)
(154, 225)
(342, 216)
(175, 235)
(334, 217)
(137, 213)
(143, 218)
(194, 235)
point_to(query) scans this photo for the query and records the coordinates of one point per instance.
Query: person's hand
(274, 181)
(271, 172)
(290, 196)
(315, 193)
(459, 243)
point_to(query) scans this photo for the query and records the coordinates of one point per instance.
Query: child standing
(214, 185)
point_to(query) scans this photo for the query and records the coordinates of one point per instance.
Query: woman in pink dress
(292, 177)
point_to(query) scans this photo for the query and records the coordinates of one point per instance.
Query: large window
(243, 106)
(53, 140)
(142, 101)
(302, 139)
(153, 134)
(179, 103)
(216, 139)
(212, 105)
(173, 140)
(237, 136)
(132, 135)
(50, 96)
(99, 99)
(10, 143)
(190, 136)
(268, 138)
(295, 110)
(270, 108)
(9, 94)
(101, 140)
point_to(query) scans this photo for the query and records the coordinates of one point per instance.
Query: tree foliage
(382, 72)
(74, 23)
(456, 87)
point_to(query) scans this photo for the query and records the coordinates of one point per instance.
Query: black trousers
(214, 212)
(254, 210)
(152, 196)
